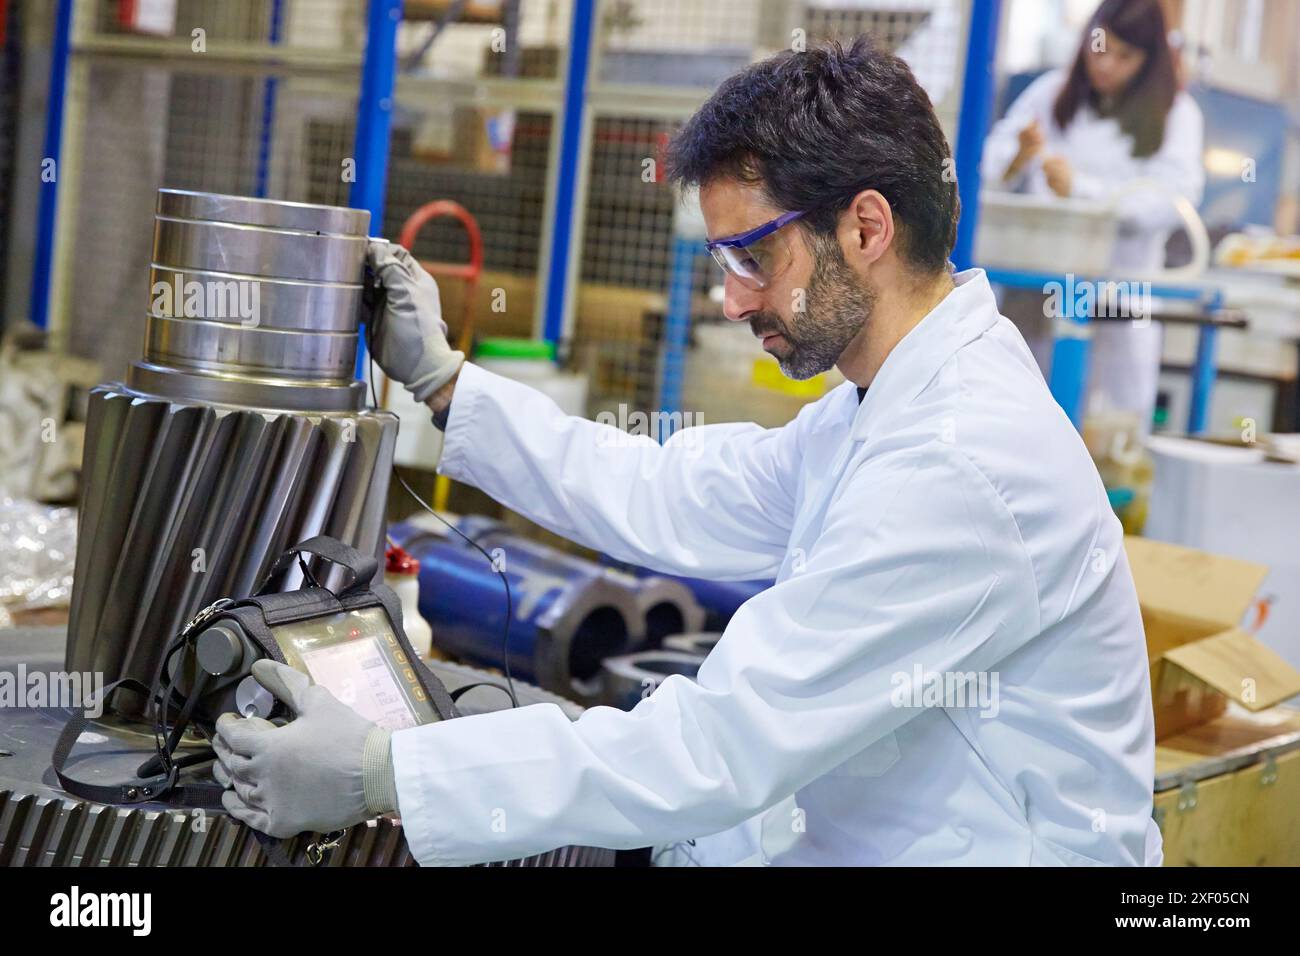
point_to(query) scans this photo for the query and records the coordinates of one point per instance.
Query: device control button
(220, 649)
(252, 699)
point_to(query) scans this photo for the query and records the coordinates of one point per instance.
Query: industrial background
(516, 147)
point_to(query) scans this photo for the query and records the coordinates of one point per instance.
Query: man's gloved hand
(409, 338)
(327, 769)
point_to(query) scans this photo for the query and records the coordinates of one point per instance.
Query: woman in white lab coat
(1116, 115)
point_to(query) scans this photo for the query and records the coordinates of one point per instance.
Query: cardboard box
(1192, 603)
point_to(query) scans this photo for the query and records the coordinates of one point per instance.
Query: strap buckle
(147, 790)
(319, 851)
(206, 614)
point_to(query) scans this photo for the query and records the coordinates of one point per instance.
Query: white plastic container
(1041, 234)
(1054, 235)
(402, 574)
(533, 363)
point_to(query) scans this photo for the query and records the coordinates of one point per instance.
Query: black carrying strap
(160, 788)
(163, 788)
(362, 566)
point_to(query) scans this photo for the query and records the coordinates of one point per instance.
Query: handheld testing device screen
(357, 657)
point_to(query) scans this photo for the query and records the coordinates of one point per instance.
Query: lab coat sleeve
(714, 499)
(1178, 165)
(919, 564)
(1003, 140)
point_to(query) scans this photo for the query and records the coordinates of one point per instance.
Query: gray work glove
(326, 770)
(409, 338)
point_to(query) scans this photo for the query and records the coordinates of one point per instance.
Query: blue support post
(268, 106)
(1071, 354)
(677, 325)
(1204, 371)
(43, 260)
(973, 121)
(581, 37)
(375, 122)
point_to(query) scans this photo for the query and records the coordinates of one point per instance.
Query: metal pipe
(569, 614)
(629, 679)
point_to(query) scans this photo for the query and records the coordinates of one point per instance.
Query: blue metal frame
(677, 327)
(977, 94)
(1204, 371)
(581, 37)
(268, 105)
(375, 123)
(1071, 356)
(43, 260)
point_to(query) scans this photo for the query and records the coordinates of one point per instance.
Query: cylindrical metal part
(221, 349)
(667, 607)
(254, 302)
(239, 434)
(567, 617)
(699, 643)
(628, 679)
(719, 599)
(664, 605)
(722, 599)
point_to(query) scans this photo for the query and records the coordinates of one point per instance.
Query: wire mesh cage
(656, 61)
(154, 127)
(311, 24)
(477, 100)
(454, 152)
(262, 101)
(259, 97)
(514, 39)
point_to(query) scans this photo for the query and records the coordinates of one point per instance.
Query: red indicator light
(355, 632)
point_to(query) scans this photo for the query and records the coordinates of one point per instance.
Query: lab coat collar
(965, 313)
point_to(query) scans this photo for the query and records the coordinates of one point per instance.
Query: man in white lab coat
(950, 668)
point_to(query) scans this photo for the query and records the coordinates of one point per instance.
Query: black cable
(510, 610)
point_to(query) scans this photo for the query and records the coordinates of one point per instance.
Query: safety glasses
(756, 256)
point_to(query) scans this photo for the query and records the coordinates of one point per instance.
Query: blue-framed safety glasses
(756, 256)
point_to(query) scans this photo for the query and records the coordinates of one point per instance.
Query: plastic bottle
(402, 574)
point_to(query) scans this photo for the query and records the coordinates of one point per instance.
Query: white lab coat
(952, 522)
(1126, 357)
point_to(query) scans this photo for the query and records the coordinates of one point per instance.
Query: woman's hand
(1032, 141)
(1059, 175)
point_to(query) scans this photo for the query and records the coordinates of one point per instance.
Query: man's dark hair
(813, 129)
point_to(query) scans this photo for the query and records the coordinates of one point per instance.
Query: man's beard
(836, 307)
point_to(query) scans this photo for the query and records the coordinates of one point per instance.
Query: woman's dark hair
(813, 129)
(1143, 106)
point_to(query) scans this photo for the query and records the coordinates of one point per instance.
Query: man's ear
(866, 229)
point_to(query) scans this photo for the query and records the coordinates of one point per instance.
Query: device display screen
(358, 658)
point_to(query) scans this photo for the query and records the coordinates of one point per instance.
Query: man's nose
(739, 302)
